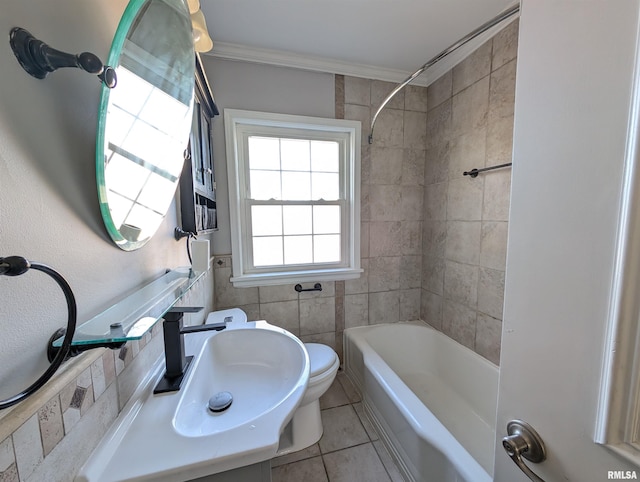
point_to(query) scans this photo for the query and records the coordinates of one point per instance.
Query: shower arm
(452, 48)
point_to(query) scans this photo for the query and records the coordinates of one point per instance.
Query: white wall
(48, 200)
(242, 85)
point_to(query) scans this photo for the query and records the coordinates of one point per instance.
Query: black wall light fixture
(39, 59)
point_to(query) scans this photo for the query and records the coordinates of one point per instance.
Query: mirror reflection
(146, 119)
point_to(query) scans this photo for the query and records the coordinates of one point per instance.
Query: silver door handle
(524, 441)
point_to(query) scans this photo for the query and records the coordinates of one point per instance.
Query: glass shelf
(135, 315)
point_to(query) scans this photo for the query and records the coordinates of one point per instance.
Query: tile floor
(349, 450)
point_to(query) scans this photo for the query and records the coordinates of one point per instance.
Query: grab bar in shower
(474, 172)
(452, 48)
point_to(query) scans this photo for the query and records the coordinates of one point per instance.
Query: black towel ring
(15, 266)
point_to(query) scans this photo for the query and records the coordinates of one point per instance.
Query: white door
(576, 63)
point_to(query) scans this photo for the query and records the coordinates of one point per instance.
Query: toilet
(305, 428)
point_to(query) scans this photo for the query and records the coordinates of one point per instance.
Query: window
(294, 197)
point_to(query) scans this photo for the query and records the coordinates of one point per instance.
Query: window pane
(267, 251)
(266, 220)
(326, 219)
(295, 155)
(325, 156)
(298, 250)
(264, 153)
(325, 186)
(326, 248)
(297, 219)
(265, 185)
(296, 186)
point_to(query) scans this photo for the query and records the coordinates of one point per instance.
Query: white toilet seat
(322, 360)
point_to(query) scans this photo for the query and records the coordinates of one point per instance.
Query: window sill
(271, 279)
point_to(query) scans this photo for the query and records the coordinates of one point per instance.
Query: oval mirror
(144, 122)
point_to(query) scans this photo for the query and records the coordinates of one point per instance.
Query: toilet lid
(321, 358)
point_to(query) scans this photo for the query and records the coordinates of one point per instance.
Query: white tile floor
(349, 450)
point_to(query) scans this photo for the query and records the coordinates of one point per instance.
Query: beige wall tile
(365, 202)
(415, 130)
(431, 309)
(437, 160)
(385, 239)
(468, 151)
(440, 90)
(229, 297)
(360, 113)
(412, 203)
(505, 45)
(439, 124)
(410, 272)
(356, 310)
(317, 315)
(415, 98)
(493, 248)
(384, 273)
(328, 290)
(434, 238)
(384, 307)
(488, 337)
(410, 304)
(357, 91)
(464, 199)
(491, 292)
(411, 242)
(463, 241)
(283, 314)
(461, 283)
(270, 294)
(380, 90)
(413, 163)
(386, 165)
(329, 339)
(470, 108)
(359, 285)
(389, 129)
(365, 162)
(459, 322)
(435, 202)
(385, 203)
(473, 68)
(497, 193)
(433, 274)
(364, 240)
(51, 426)
(28, 447)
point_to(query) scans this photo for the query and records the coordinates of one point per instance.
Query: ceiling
(384, 39)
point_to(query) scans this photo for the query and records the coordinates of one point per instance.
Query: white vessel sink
(173, 437)
(260, 368)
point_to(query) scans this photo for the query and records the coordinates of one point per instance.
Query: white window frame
(239, 124)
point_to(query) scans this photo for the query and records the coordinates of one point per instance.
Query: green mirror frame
(136, 179)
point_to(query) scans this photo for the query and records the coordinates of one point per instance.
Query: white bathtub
(432, 399)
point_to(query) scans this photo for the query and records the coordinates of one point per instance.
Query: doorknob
(524, 441)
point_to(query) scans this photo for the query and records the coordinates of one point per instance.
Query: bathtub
(432, 400)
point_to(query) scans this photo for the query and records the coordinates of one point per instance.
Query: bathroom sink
(259, 368)
(174, 436)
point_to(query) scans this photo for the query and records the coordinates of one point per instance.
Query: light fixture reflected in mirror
(201, 40)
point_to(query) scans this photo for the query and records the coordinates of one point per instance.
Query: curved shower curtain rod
(452, 48)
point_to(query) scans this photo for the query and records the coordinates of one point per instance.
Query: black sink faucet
(176, 362)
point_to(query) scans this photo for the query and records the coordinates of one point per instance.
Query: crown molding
(293, 60)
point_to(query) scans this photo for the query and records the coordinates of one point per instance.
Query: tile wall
(392, 196)
(49, 436)
(433, 241)
(469, 125)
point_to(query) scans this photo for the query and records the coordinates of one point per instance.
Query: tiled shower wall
(470, 125)
(433, 242)
(392, 194)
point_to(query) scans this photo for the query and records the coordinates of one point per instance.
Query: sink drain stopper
(220, 401)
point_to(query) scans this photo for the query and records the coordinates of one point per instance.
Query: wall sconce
(38, 59)
(201, 40)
